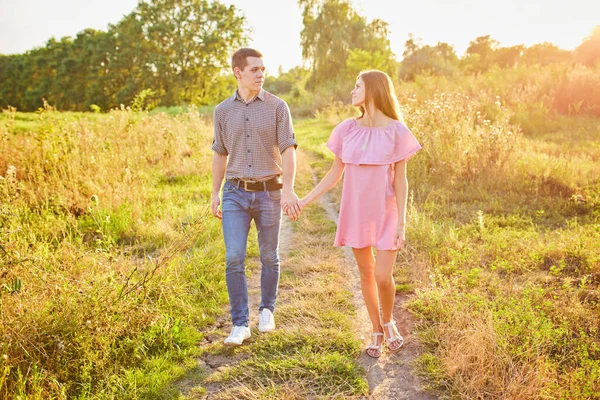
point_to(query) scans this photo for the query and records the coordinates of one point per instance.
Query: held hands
(291, 205)
(215, 203)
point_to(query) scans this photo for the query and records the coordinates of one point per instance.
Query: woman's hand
(400, 237)
(287, 209)
(289, 204)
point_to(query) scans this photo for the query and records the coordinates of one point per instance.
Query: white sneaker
(237, 336)
(266, 322)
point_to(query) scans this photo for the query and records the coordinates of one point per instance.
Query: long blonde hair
(379, 90)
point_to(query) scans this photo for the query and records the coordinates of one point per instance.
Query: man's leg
(267, 216)
(236, 224)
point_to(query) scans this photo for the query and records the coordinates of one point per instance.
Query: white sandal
(393, 336)
(374, 346)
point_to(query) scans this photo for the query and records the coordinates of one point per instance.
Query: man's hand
(215, 203)
(289, 204)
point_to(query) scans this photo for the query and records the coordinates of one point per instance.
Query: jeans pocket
(274, 194)
(228, 187)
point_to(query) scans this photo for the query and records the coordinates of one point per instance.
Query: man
(255, 150)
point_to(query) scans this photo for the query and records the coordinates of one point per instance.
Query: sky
(276, 24)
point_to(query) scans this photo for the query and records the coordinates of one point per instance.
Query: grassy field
(101, 219)
(506, 229)
(111, 266)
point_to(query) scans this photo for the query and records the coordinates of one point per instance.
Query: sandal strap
(394, 338)
(392, 335)
(373, 345)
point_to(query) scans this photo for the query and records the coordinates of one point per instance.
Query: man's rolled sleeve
(218, 144)
(285, 130)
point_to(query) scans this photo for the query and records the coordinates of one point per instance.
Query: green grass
(312, 134)
(115, 290)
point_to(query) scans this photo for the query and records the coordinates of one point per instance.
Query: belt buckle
(246, 186)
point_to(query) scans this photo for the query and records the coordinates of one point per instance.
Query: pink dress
(368, 210)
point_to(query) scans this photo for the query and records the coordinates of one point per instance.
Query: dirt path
(391, 376)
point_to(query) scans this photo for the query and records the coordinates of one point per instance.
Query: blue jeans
(239, 209)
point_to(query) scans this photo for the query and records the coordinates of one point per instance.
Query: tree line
(339, 43)
(173, 52)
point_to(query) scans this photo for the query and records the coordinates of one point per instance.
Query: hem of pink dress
(346, 244)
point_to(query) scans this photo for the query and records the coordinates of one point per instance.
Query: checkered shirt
(253, 135)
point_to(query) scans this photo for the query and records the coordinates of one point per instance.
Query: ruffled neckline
(390, 126)
(357, 144)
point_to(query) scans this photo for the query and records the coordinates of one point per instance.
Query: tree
(332, 30)
(480, 53)
(484, 46)
(588, 52)
(190, 43)
(359, 60)
(13, 70)
(127, 70)
(508, 56)
(438, 60)
(178, 49)
(544, 54)
(292, 81)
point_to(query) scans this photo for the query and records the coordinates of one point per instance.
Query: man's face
(358, 93)
(253, 75)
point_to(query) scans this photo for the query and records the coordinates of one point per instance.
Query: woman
(373, 150)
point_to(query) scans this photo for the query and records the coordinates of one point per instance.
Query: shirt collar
(260, 95)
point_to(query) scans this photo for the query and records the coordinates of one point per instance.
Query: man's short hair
(239, 57)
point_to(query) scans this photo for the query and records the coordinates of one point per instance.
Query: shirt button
(250, 166)
(247, 135)
(247, 119)
(248, 150)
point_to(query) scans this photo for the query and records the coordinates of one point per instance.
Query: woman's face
(358, 93)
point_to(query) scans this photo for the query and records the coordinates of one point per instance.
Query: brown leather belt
(254, 186)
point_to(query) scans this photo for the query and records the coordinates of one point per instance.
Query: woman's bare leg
(368, 284)
(386, 288)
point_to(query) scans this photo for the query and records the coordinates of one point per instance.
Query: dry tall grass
(97, 231)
